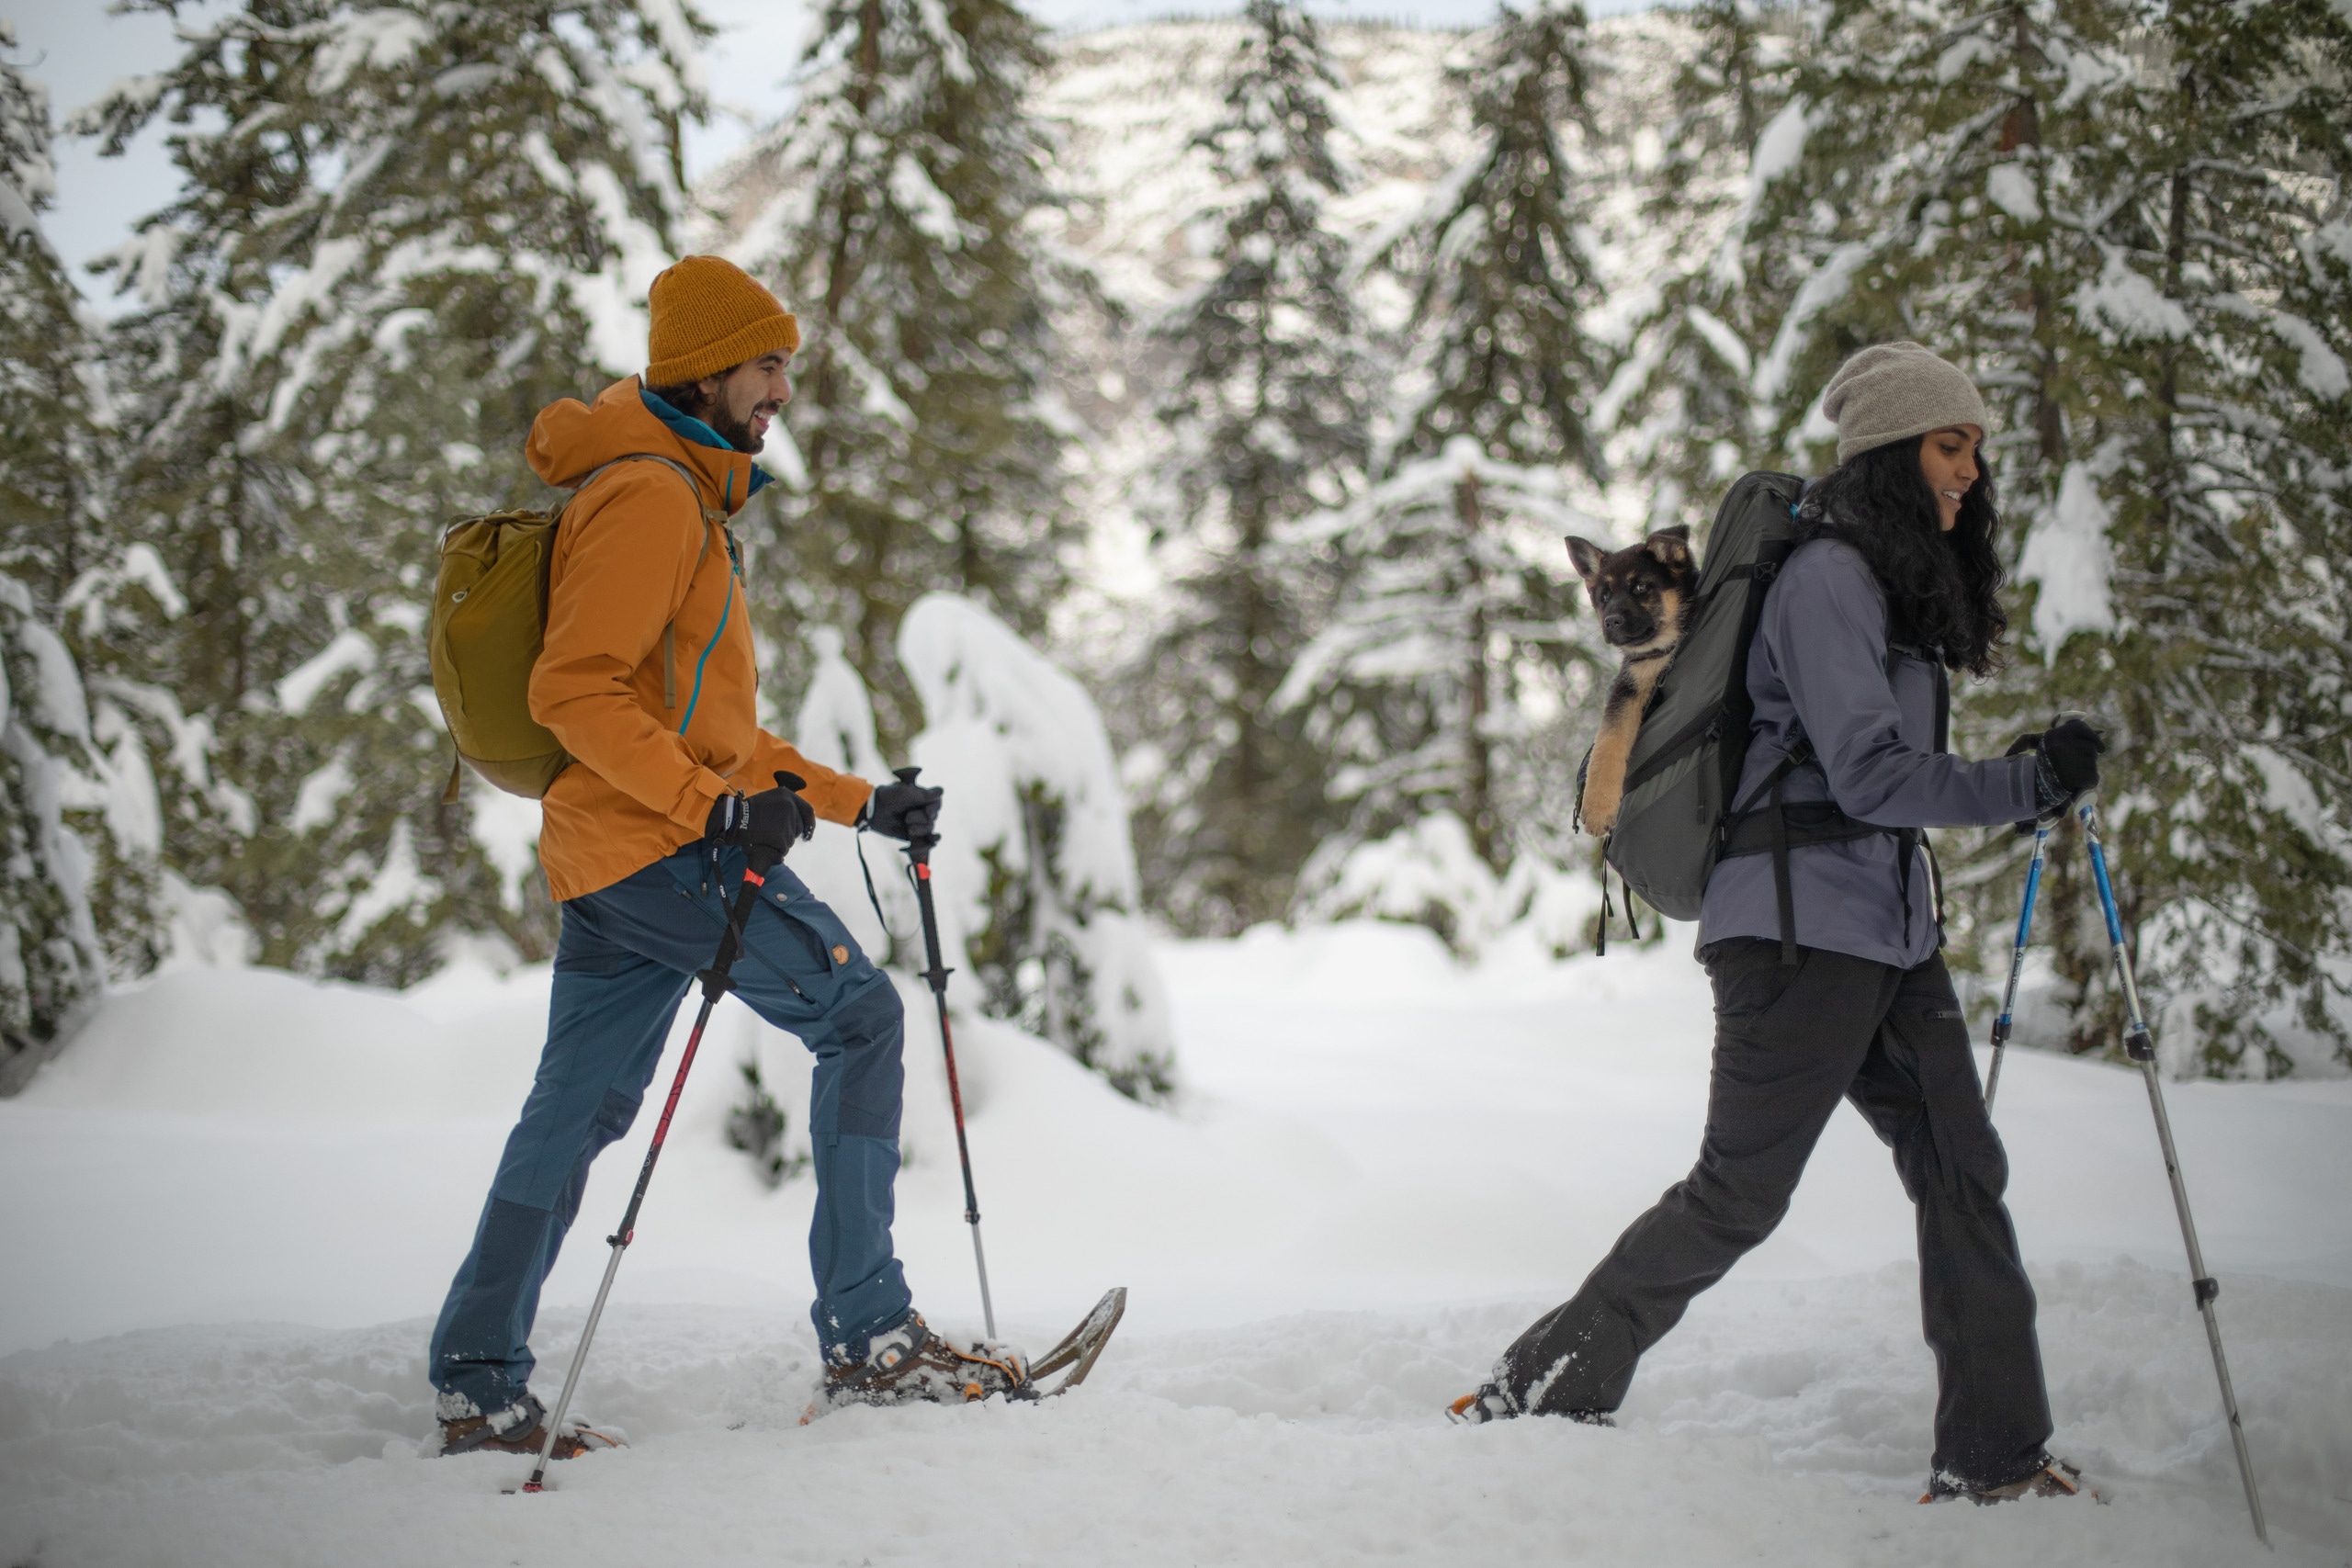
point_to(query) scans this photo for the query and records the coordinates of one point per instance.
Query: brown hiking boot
(2055, 1479)
(910, 1362)
(520, 1428)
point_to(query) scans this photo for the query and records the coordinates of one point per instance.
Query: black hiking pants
(1789, 1041)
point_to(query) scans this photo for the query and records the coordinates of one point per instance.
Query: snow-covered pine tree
(1681, 398)
(930, 444)
(1266, 407)
(1452, 625)
(2133, 252)
(2189, 578)
(1943, 179)
(52, 963)
(1448, 634)
(1035, 876)
(57, 458)
(404, 229)
(52, 461)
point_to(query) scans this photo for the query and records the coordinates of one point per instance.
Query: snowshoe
(911, 1362)
(521, 1428)
(2054, 1479)
(1491, 1404)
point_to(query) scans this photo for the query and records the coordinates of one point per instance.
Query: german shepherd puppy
(1644, 596)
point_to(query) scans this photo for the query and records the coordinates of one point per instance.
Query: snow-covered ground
(236, 1199)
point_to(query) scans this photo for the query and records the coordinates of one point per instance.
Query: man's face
(744, 400)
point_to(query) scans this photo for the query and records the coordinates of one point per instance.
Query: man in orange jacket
(647, 678)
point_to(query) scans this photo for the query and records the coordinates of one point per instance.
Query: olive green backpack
(489, 621)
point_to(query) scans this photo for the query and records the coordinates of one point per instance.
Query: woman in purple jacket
(1828, 976)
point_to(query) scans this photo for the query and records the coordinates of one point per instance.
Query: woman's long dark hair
(1942, 590)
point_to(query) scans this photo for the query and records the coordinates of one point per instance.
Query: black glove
(2067, 763)
(903, 809)
(2070, 750)
(772, 820)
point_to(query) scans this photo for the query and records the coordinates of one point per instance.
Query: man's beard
(736, 433)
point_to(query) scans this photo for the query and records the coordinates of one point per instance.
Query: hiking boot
(2056, 1478)
(910, 1362)
(1491, 1404)
(520, 1428)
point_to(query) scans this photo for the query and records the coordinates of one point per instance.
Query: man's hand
(773, 819)
(901, 809)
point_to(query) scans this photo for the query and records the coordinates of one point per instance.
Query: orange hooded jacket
(635, 553)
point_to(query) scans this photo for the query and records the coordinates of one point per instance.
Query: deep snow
(1383, 1167)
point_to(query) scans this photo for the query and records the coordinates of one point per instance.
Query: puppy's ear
(1669, 546)
(1586, 557)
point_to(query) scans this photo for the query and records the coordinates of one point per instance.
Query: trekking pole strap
(872, 896)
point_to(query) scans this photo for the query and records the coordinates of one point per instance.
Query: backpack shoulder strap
(710, 515)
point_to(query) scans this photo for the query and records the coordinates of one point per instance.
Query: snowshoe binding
(520, 1428)
(2056, 1478)
(909, 1363)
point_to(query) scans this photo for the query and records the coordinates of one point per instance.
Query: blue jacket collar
(689, 428)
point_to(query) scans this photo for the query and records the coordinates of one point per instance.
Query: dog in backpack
(1643, 595)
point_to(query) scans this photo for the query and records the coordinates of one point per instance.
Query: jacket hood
(571, 438)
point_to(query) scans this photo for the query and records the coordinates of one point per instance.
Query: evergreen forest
(1267, 431)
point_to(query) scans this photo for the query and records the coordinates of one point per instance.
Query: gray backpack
(1693, 741)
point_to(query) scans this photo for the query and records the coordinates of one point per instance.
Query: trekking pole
(919, 850)
(2016, 961)
(717, 981)
(2142, 1049)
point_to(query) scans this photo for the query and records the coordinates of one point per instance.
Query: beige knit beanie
(1894, 390)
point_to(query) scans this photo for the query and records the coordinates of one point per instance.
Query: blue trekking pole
(2142, 1049)
(2016, 961)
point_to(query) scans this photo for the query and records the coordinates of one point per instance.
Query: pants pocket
(1750, 981)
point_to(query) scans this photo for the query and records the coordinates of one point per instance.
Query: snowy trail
(1384, 1169)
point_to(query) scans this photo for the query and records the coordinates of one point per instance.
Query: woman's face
(1948, 457)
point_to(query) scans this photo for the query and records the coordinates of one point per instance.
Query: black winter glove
(902, 809)
(773, 820)
(2070, 750)
(2066, 764)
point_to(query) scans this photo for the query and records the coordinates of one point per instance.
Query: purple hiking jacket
(1819, 668)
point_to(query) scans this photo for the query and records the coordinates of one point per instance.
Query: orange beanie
(710, 315)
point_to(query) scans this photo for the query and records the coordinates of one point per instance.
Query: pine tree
(1683, 395)
(415, 226)
(52, 394)
(1500, 380)
(53, 958)
(929, 439)
(2211, 453)
(2119, 218)
(52, 965)
(1267, 413)
(1451, 629)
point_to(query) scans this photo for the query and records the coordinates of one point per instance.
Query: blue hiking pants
(627, 958)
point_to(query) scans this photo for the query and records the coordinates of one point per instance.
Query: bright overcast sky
(79, 49)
